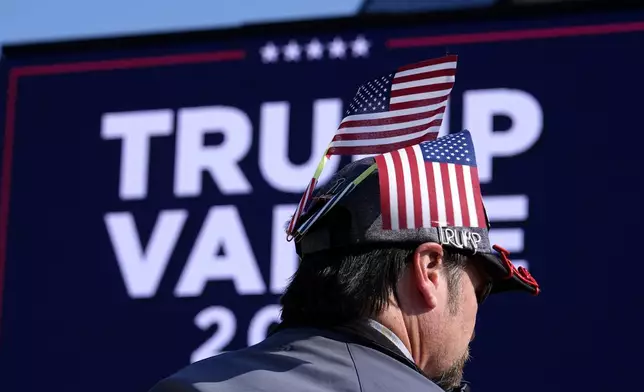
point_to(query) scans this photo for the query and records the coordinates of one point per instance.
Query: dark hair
(340, 286)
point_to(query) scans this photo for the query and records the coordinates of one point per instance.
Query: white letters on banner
(221, 162)
(135, 129)
(222, 232)
(142, 267)
(480, 107)
(221, 251)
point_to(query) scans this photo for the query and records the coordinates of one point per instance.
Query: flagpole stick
(303, 201)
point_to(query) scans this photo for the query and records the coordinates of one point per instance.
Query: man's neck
(389, 334)
(396, 325)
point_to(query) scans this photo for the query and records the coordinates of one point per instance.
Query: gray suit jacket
(303, 359)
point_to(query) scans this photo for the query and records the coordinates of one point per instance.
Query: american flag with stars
(431, 184)
(393, 111)
(397, 110)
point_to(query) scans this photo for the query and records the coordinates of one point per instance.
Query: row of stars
(314, 50)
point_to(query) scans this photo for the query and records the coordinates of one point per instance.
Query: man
(389, 284)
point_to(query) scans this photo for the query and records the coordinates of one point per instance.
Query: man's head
(427, 293)
(403, 237)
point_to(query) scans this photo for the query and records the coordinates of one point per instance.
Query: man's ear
(426, 266)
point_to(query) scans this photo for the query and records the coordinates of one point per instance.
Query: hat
(417, 188)
(428, 192)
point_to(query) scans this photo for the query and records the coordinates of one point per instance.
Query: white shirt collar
(391, 336)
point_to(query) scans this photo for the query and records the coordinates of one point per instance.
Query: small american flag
(431, 184)
(397, 110)
(304, 201)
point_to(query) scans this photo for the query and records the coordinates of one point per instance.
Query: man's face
(459, 319)
(449, 327)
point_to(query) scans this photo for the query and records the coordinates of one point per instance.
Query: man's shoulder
(285, 361)
(293, 360)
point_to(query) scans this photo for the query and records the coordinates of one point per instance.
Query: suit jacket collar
(362, 333)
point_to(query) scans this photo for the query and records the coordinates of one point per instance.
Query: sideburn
(453, 289)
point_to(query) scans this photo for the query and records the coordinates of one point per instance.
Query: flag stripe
(410, 189)
(478, 201)
(393, 192)
(423, 69)
(380, 149)
(414, 104)
(419, 96)
(400, 180)
(394, 125)
(398, 80)
(385, 200)
(447, 195)
(412, 160)
(431, 190)
(413, 91)
(456, 200)
(462, 193)
(422, 184)
(400, 120)
(435, 83)
(373, 136)
(409, 138)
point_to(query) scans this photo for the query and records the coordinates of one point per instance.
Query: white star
(337, 48)
(314, 50)
(292, 51)
(269, 53)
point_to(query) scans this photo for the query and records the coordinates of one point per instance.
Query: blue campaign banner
(144, 192)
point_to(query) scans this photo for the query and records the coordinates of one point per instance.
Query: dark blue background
(68, 323)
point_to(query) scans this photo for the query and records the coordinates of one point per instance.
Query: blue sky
(24, 21)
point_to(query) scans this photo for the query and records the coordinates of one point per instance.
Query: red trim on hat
(522, 273)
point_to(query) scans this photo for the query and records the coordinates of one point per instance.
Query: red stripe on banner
(441, 60)
(381, 149)
(413, 170)
(400, 188)
(515, 35)
(460, 179)
(385, 134)
(430, 88)
(385, 200)
(425, 75)
(478, 198)
(447, 195)
(418, 103)
(431, 191)
(5, 180)
(391, 120)
(131, 63)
